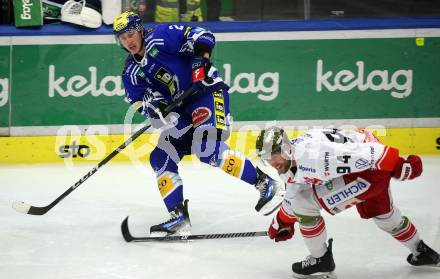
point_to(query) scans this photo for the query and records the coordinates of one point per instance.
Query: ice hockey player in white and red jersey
(334, 170)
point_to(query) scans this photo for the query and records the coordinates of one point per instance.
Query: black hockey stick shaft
(34, 210)
(130, 238)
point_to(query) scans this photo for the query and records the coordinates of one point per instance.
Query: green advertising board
(333, 79)
(367, 78)
(4, 86)
(67, 84)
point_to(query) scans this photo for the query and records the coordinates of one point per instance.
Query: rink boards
(383, 75)
(93, 148)
(375, 74)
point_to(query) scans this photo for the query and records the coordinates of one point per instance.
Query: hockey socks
(314, 234)
(236, 164)
(407, 234)
(171, 188)
(400, 228)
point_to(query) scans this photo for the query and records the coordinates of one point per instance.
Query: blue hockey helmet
(125, 22)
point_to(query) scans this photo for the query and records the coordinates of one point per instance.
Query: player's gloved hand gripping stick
(200, 67)
(34, 210)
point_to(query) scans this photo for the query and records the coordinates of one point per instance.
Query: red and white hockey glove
(282, 226)
(408, 169)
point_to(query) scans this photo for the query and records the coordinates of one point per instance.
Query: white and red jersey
(324, 154)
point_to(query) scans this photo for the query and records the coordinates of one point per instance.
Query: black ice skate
(427, 256)
(271, 193)
(178, 224)
(319, 268)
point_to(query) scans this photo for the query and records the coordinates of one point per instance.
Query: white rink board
(80, 237)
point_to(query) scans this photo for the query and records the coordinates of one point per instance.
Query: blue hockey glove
(154, 104)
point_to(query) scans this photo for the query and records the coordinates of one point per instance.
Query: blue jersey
(165, 68)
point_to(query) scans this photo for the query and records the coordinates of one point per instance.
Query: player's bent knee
(312, 226)
(308, 221)
(391, 221)
(160, 161)
(208, 144)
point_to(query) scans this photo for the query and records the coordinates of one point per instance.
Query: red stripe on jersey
(385, 150)
(286, 218)
(388, 160)
(313, 231)
(407, 234)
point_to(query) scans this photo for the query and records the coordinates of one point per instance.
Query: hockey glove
(408, 169)
(282, 226)
(154, 104)
(200, 68)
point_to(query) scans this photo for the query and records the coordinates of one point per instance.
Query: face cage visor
(285, 150)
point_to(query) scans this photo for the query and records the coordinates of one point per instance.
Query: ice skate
(427, 256)
(271, 193)
(178, 224)
(316, 268)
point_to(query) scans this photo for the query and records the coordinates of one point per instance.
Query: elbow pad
(204, 40)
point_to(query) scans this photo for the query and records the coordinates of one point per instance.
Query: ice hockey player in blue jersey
(162, 64)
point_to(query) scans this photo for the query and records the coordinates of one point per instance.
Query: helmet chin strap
(142, 60)
(286, 151)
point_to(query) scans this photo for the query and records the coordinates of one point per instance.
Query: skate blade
(427, 266)
(164, 234)
(158, 234)
(320, 275)
(273, 204)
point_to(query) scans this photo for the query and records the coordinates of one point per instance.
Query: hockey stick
(34, 210)
(129, 238)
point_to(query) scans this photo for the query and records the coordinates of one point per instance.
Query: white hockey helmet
(272, 140)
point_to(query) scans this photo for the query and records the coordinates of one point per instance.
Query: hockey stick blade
(21, 207)
(130, 238)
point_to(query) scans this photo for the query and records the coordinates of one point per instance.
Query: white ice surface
(80, 237)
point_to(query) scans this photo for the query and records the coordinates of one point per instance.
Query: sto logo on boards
(74, 150)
